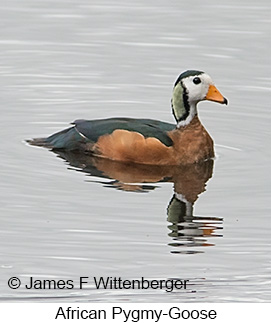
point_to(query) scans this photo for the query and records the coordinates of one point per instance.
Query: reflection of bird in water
(147, 141)
(188, 230)
(188, 181)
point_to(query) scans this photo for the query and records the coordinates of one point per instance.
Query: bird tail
(40, 142)
(68, 139)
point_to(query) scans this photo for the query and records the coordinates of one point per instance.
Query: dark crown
(187, 74)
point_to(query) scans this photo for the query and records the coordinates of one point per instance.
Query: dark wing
(88, 132)
(93, 129)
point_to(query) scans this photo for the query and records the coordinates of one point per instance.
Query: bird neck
(183, 110)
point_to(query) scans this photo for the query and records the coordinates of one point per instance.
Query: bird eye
(197, 80)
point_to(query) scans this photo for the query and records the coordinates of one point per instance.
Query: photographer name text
(116, 283)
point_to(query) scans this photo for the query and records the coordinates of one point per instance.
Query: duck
(147, 141)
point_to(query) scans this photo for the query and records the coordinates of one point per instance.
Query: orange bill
(214, 95)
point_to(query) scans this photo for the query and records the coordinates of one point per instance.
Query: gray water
(66, 60)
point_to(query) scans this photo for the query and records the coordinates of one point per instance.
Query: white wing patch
(83, 136)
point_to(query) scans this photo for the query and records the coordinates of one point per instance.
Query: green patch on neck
(180, 106)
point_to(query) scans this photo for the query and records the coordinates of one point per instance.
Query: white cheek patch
(197, 92)
(206, 79)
